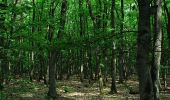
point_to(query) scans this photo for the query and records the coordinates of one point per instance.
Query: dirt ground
(73, 89)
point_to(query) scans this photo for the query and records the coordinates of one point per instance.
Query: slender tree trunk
(113, 70)
(42, 73)
(168, 35)
(143, 50)
(168, 22)
(3, 53)
(122, 61)
(157, 49)
(81, 34)
(32, 43)
(113, 61)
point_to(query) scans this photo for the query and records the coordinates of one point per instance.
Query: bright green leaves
(40, 1)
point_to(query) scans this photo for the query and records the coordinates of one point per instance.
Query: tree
(113, 60)
(32, 43)
(143, 50)
(81, 34)
(168, 22)
(122, 55)
(3, 43)
(52, 53)
(155, 69)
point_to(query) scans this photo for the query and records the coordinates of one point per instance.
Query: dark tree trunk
(54, 53)
(52, 71)
(168, 22)
(168, 34)
(143, 50)
(3, 44)
(122, 55)
(113, 61)
(113, 70)
(81, 34)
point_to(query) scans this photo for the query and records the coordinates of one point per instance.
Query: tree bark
(52, 54)
(3, 44)
(168, 22)
(113, 70)
(113, 61)
(122, 60)
(81, 35)
(143, 50)
(32, 43)
(157, 49)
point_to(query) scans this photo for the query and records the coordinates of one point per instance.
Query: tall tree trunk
(113, 61)
(157, 49)
(122, 57)
(3, 53)
(52, 53)
(168, 23)
(81, 35)
(143, 50)
(168, 34)
(113, 70)
(32, 43)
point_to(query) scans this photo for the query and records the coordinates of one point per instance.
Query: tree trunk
(3, 44)
(157, 49)
(168, 34)
(81, 35)
(168, 22)
(122, 61)
(113, 59)
(32, 43)
(52, 54)
(113, 70)
(143, 50)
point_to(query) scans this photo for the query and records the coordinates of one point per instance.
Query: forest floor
(73, 89)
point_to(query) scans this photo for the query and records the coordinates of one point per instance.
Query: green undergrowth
(23, 89)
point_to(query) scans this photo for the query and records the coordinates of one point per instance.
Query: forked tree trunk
(53, 52)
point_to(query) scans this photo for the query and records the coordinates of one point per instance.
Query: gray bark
(157, 49)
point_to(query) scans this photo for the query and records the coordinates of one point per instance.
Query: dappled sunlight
(75, 90)
(26, 95)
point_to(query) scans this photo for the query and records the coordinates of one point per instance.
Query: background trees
(53, 40)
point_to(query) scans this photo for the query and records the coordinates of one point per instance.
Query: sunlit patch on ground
(21, 89)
